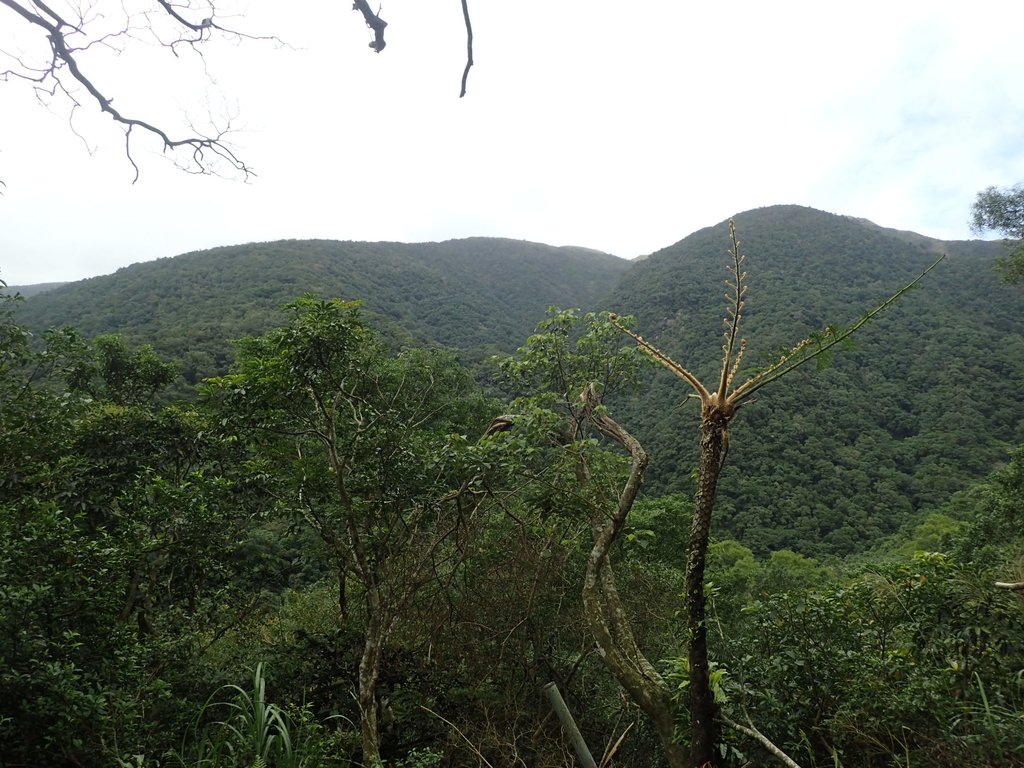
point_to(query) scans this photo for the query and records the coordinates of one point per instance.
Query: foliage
(893, 661)
(115, 522)
(141, 567)
(480, 295)
(254, 732)
(106, 369)
(994, 511)
(919, 441)
(369, 450)
(1002, 211)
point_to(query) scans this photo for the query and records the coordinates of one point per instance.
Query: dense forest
(478, 295)
(249, 520)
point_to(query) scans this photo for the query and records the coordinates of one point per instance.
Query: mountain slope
(827, 462)
(822, 462)
(32, 290)
(477, 294)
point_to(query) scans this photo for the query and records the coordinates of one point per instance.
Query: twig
(606, 761)
(469, 46)
(202, 150)
(458, 731)
(788, 364)
(763, 740)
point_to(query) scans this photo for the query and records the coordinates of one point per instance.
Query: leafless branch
(374, 22)
(1011, 585)
(469, 47)
(763, 740)
(201, 152)
(463, 736)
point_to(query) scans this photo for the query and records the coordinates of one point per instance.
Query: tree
(1002, 210)
(562, 373)
(106, 369)
(719, 407)
(116, 517)
(56, 64)
(368, 450)
(993, 527)
(568, 366)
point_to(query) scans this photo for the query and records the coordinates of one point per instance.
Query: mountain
(481, 295)
(823, 462)
(828, 461)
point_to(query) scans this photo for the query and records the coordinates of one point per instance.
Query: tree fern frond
(826, 340)
(736, 364)
(660, 357)
(733, 310)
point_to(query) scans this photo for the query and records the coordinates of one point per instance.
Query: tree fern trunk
(714, 424)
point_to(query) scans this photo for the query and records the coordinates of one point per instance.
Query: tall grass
(254, 733)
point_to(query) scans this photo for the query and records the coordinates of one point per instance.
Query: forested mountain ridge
(824, 462)
(927, 400)
(478, 294)
(34, 289)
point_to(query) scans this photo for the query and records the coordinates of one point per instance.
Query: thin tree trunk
(714, 425)
(369, 674)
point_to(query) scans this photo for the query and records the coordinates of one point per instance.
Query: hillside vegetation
(351, 549)
(34, 289)
(827, 462)
(479, 295)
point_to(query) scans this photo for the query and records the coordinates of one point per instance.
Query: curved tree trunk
(608, 624)
(603, 608)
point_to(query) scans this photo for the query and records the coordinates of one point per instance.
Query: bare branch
(202, 27)
(469, 47)
(374, 22)
(456, 728)
(602, 606)
(763, 740)
(664, 359)
(735, 311)
(1011, 585)
(794, 359)
(200, 152)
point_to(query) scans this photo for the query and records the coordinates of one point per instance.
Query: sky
(621, 127)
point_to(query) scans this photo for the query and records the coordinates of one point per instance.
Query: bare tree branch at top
(70, 29)
(374, 22)
(377, 24)
(469, 47)
(67, 30)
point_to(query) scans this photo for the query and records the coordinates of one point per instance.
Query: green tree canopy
(1002, 210)
(367, 449)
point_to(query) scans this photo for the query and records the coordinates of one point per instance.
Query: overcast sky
(616, 126)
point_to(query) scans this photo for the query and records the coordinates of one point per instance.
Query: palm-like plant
(718, 408)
